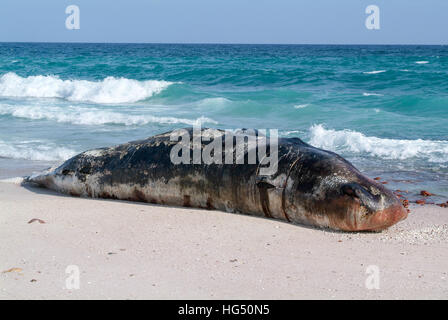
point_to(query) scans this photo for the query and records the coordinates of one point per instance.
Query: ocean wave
(356, 142)
(84, 116)
(301, 106)
(291, 132)
(213, 102)
(421, 62)
(109, 90)
(374, 72)
(41, 152)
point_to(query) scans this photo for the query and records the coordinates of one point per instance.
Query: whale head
(329, 191)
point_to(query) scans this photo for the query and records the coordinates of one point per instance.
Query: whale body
(311, 186)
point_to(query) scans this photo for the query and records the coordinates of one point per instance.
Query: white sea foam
(367, 94)
(356, 142)
(213, 102)
(15, 180)
(421, 62)
(109, 90)
(91, 116)
(287, 133)
(301, 106)
(374, 72)
(41, 152)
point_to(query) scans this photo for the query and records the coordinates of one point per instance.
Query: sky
(226, 21)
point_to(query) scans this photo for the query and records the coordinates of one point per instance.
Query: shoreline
(14, 168)
(128, 250)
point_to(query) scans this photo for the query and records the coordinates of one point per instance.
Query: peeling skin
(311, 186)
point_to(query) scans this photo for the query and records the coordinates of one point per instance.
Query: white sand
(138, 251)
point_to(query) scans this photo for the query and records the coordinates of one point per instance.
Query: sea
(383, 108)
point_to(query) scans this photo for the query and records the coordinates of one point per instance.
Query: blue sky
(226, 21)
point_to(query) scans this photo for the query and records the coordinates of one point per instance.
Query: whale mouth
(383, 219)
(380, 211)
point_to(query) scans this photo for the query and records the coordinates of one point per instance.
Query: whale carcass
(310, 186)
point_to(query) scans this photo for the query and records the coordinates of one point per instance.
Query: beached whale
(309, 186)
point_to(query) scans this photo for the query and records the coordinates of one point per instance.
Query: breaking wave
(355, 142)
(374, 72)
(89, 116)
(109, 90)
(301, 106)
(40, 152)
(367, 94)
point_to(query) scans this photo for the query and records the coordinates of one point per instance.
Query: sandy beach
(331, 114)
(127, 250)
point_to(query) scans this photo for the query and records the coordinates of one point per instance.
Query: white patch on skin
(67, 185)
(328, 182)
(212, 134)
(95, 153)
(375, 191)
(278, 181)
(295, 211)
(275, 203)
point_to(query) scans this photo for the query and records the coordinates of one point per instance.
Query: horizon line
(231, 43)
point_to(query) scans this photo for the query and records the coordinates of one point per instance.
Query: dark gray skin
(311, 186)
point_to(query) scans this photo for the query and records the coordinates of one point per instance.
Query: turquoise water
(384, 108)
